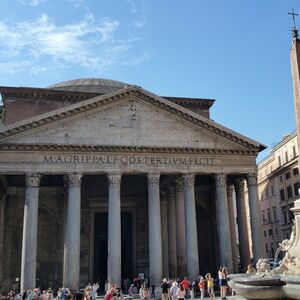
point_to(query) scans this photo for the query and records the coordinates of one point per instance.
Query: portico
(123, 164)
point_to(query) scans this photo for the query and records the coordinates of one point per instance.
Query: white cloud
(32, 2)
(89, 43)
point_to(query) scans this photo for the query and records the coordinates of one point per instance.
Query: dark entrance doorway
(100, 246)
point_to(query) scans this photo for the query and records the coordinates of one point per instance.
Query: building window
(281, 178)
(288, 175)
(269, 215)
(295, 171)
(267, 192)
(263, 216)
(296, 188)
(265, 233)
(274, 213)
(286, 157)
(282, 195)
(279, 161)
(294, 151)
(272, 190)
(270, 232)
(289, 192)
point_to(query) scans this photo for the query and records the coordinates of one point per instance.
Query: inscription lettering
(126, 160)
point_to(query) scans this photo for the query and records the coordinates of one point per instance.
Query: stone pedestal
(114, 229)
(155, 242)
(29, 241)
(72, 233)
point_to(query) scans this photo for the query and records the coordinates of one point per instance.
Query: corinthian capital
(189, 180)
(178, 184)
(239, 184)
(32, 180)
(220, 180)
(252, 179)
(74, 179)
(114, 180)
(153, 179)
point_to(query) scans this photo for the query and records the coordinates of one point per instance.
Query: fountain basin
(266, 287)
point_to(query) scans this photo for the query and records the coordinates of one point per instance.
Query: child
(202, 287)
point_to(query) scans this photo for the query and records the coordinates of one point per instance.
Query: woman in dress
(210, 286)
(223, 282)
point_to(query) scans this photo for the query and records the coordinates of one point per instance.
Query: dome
(91, 85)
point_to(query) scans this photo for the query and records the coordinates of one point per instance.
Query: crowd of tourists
(170, 289)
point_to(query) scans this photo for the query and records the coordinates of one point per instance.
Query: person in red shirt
(185, 284)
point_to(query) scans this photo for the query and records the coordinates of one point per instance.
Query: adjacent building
(278, 187)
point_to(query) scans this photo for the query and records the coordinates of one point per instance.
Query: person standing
(165, 289)
(202, 287)
(210, 286)
(223, 282)
(173, 290)
(146, 293)
(153, 290)
(181, 292)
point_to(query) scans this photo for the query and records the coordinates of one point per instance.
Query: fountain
(282, 282)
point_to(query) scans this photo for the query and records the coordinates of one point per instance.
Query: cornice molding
(135, 92)
(123, 149)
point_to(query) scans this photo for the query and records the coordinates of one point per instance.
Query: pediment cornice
(137, 93)
(119, 149)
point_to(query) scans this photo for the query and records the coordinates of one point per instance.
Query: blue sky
(234, 51)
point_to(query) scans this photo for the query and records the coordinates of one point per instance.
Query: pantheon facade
(102, 180)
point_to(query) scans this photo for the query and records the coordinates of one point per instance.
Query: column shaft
(180, 228)
(255, 218)
(172, 233)
(155, 242)
(114, 229)
(225, 249)
(242, 225)
(164, 234)
(29, 240)
(191, 227)
(72, 233)
(232, 220)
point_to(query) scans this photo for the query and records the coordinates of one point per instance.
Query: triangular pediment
(129, 117)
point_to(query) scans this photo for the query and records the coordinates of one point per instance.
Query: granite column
(72, 233)
(242, 224)
(225, 248)
(30, 226)
(255, 218)
(155, 241)
(191, 227)
(114, 229)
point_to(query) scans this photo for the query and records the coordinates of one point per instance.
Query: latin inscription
(126, 160)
